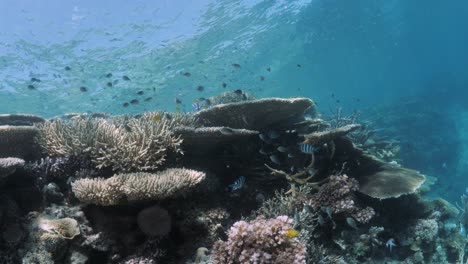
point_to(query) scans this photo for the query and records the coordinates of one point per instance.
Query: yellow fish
(156, 118)
(292, 233)
(177, 108)
(195, 101)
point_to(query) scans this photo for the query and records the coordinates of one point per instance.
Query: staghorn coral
(124, 143)
(260, 241)
(131, 187)
(337, 194)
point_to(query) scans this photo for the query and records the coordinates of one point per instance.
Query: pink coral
(338, 194)
(260, 241)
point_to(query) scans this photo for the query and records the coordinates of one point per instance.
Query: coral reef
(9, 165)
(254, 114)
(19, 120)
(131, 187)
(18, 141)
(123, 143)
(260, 241)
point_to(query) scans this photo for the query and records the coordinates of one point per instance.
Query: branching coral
(131, 187)
(337, 194)
(124, 143)
(260, 241)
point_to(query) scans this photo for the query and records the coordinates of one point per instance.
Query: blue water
(408, 57)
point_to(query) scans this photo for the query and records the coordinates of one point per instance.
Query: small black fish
(269, 69)
(67, 68)
(31, 87)
(109, 75)
(134, 102)
(109, 84)
(200, 88)
(140, 92)
(83, 89)
(238, 92)
(125, 78)
(178, 101)
(125, 104)
(187, 74)
(148, 99)
(262, 78)
(299, 65)
(35, 80)
(333, 95)
(236, 65)
(224, 85)
(338, 101)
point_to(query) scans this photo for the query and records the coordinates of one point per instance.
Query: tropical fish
(83, 89)
(312, 171)
(350, 221)
(236, 65)
(328, 211)
(140, 92)
(35, 80)
(67, 68)
(134, 101)
(262, 78)
(390, 244)
(269, 69)
(290, 155)
(299, 65)
(273, 134)
(178, 101)
(320, 220)
(148, 99)
(200, 88)
(109, 75)
(224, 85)
(282, 149)
(462, 230)
(238, 184)
(125, 104)
(292, 233)
(226, 131)
(177, 108)
(157, 117)
(264, 138)
(125, 78)
(263, 152)
(187, 74)
(292, 169)
(197, 106)
(115, 82)
(109, 84)
(307, 148)
(31, 87)
(275, 159)
(238, 92)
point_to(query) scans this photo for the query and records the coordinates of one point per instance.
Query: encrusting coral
(260, 241)
(133, 187)
(337, 194)
(123, 144)
(19, 119)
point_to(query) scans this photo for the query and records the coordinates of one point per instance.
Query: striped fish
(307, 148)
(238, 184)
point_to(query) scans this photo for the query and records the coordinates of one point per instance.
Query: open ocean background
(401, 64)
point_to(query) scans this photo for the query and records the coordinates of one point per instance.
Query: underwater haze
(388, 80)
